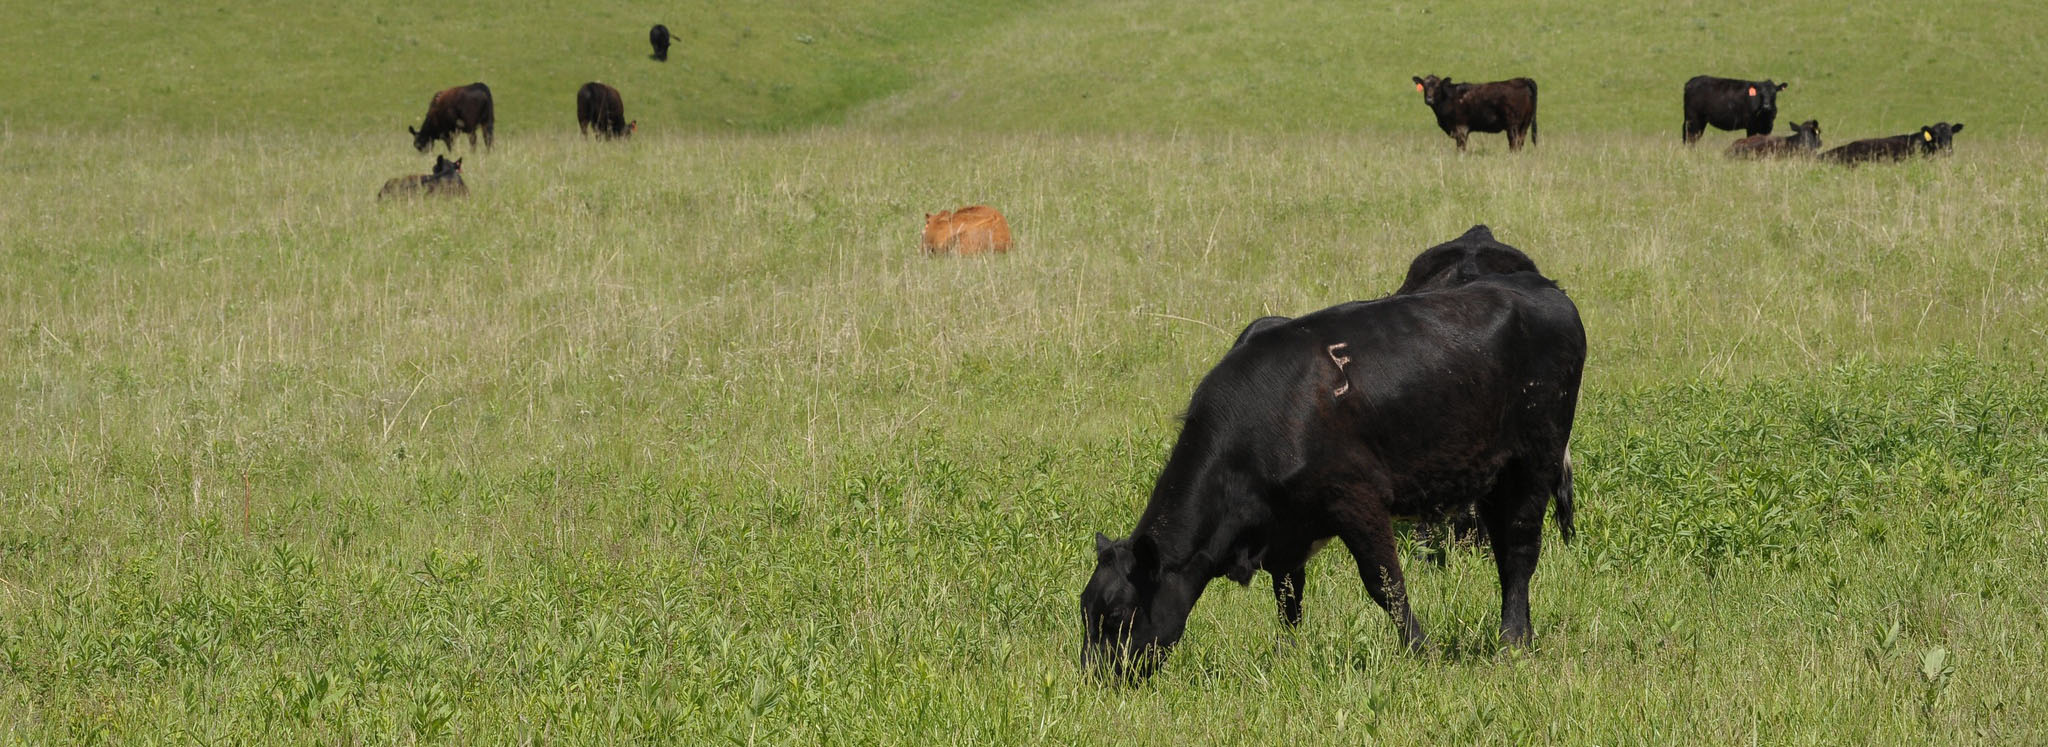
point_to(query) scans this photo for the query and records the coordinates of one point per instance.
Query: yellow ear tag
(1752, 90)
(1927, 136)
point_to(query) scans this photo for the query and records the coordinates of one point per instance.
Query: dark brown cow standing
(1463, 108)
(599, 105)
(1804, 141)
(459, 109)
(1935, 138)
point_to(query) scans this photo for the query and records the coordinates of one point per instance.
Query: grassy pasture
(679, 440)
(682, 440)
(1301, 66)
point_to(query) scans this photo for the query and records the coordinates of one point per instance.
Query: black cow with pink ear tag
(1730, 104)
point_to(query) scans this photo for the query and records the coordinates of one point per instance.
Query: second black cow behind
(1458, 391)
(1730, 104)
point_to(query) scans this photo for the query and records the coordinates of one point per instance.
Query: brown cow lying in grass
(970, 230)
(1804, 141)
(446, 180)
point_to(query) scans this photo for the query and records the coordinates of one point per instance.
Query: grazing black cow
(1935, 138)
(1463, 108)
(1729, 104)
(658, 37)
(1804, 141)
(459, 109)
(1333, 424)
(446, 181)
(598, 105)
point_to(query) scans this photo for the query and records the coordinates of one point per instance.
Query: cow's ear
(1927, 134)
(1102, 543)
(1783, 86)
(1957, 128)
(1417, 79)
(1144, 555)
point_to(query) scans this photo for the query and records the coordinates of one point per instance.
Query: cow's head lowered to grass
(1128, 624)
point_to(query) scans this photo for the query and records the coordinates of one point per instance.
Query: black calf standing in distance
(1336, 423)
(658, 36)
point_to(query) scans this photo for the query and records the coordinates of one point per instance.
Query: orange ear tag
(1752, 90)
(1418, 86)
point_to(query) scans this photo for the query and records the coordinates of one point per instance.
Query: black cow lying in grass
(1804, 141)
(446, 180)
(459, 109)
(1460, 392)
(1935, 138)
(1463, 108)
(1729, 104)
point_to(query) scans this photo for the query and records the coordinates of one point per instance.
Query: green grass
(681, 440)
(708, 450)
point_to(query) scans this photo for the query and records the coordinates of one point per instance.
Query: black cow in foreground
(1804, 141)
(1457, 391)
(1935, 138)
(459, 109)
(658, 36)
(1445, 266)
(1729, 104)
(446, 180)
(598, 105)
(1463, 108)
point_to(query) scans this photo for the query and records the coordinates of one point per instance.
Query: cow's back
(1873, 149)
(1426, 396)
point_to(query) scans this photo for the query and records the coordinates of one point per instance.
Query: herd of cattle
(1452, 398)
(1509, 106)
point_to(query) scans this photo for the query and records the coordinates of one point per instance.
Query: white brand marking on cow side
(1340, 360)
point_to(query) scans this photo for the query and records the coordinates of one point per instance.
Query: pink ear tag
(1752, 90)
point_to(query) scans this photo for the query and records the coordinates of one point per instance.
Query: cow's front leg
(1371, 541)
(1460, 134)
(1287, 586)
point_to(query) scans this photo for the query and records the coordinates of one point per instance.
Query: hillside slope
(1129, 66)
(1307, 65)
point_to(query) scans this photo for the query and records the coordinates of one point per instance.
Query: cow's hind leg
(1513, 515)
(1371, 541)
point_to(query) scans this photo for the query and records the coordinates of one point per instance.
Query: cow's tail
(1532, 141)
(1563, 493)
